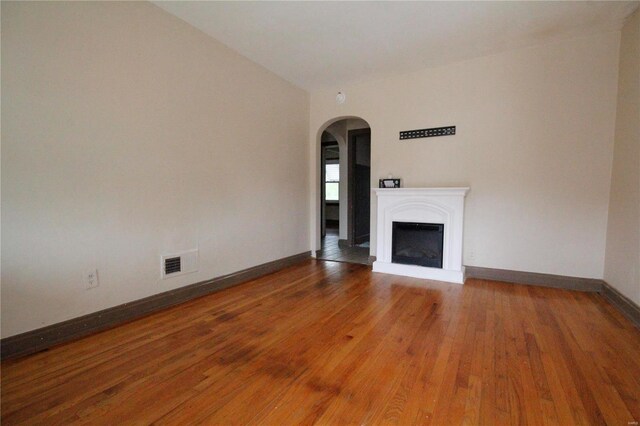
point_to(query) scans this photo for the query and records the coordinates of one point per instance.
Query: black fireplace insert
(417, 244)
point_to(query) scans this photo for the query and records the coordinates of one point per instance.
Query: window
(332, 182)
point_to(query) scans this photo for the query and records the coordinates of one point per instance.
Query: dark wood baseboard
(43, 338)
(622, 303)
(533, 278)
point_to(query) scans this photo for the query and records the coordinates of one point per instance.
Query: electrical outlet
(472, 255)
(91, 279)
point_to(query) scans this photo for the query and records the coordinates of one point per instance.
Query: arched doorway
(344, 190)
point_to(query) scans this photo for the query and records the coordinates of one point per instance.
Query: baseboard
(622, 303)
(372, 259)
(533, 278)
(43, 338)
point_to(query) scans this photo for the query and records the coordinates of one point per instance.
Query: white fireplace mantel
(423, 205)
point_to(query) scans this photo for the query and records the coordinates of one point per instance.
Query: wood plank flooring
(334, 343)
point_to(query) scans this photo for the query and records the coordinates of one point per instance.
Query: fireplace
(417, 243)
(419, 232)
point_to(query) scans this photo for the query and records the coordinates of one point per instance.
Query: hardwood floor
(334, 343)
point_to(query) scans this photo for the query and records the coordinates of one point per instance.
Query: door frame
(351, 182)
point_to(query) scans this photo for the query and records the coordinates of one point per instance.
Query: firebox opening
(417, 244)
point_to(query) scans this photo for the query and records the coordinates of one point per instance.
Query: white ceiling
(319, 44)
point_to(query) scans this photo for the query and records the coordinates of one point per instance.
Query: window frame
(326, 180)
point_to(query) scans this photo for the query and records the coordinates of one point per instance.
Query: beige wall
(128, 134)
(534, 142)
(622, 266)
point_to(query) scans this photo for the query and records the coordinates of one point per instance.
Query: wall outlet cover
(91, 279)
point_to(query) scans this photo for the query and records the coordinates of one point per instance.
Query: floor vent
(179, 263)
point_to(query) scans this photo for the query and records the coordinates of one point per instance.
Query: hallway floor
(332, 251)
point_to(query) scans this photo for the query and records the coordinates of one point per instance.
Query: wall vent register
(179, 263)
(172, 265)
(428, 133)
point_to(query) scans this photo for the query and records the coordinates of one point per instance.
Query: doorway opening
(359, 202)
(345, 191)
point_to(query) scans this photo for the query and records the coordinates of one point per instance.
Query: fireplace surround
(421, 207)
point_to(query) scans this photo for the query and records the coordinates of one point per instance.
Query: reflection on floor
(332, 251)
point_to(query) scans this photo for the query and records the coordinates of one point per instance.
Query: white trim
(433, 192)
(419, 272)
